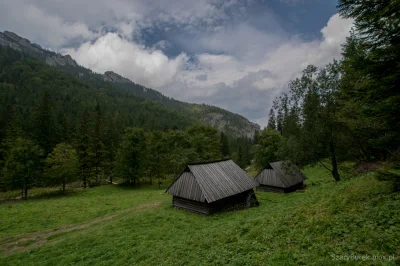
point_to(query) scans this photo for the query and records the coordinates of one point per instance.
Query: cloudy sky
(235, 54)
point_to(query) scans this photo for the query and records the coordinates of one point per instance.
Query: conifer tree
(131, 155)
(43, 124)
(96, 142)
(23, 165)
(279, 121)
(156, 158)
(83, 148)
(240, 159)
(111, 140)
(62, 165)
(225, 149)
(271, 120)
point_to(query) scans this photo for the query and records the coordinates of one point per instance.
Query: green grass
(358, 216)
(47, 213)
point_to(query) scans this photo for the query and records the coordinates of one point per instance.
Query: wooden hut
(280, 177)
(213, 186)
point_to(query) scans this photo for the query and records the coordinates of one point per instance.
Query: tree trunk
(63, 186)
(26, 193)
(335, 171)
(111, 176)
(84, 182)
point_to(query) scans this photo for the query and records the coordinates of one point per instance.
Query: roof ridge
(208, 162)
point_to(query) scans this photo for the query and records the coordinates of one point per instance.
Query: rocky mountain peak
(225, 122)
(111, 76)
(60, 60)
(16, 42)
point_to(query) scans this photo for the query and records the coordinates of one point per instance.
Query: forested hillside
(230, 123)
(52, 121)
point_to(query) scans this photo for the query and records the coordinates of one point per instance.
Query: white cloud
(31, 22)
(56, 23)
(111, 52)
(248, 86)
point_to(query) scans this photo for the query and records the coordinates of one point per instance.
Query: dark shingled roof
(280, 174)
(211, 181)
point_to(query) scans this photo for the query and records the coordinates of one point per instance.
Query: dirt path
(39, 239)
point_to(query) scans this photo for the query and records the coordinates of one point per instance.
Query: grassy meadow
(115, 225)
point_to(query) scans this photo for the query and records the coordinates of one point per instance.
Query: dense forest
(56, 128)
(348, 110)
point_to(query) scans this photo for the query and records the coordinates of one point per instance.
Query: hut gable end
(280, 175)
(186, 186)
(269, 176)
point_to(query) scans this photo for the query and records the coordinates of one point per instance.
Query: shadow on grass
(43, 195)
(163, 186)
(51, 193)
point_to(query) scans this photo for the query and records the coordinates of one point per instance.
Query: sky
(235, 54)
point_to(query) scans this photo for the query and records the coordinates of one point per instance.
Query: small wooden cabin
(213, 186)
(280, 177)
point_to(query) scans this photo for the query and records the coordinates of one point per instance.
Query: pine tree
(23, 165)
(241, 161)
(255, 138)
(371, 76)
(13, 131)
(96, 142)
(225, 149)
(240, 157)
(246, 160)
(279, 122)
(131, 156)
(156, 151)
(111, 140)
(83, 148)
(205, 143)
(271, 120)
(43, 124)
(266, 149)
(62, 165)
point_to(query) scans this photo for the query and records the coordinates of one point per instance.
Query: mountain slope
(223, 120)
(25, 82)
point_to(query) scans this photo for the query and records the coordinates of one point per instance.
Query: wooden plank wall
(235, 202)
(278, 189)
(270, 189)
(190, 205)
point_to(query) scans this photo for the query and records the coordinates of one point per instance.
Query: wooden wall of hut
(240, 201)
(279, 189)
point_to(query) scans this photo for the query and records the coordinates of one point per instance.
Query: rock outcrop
(59, 60)
(114, 77)
(18, 43)
(238, 126)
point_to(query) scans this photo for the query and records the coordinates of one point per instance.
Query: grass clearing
(43, 214)
(358, 216)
